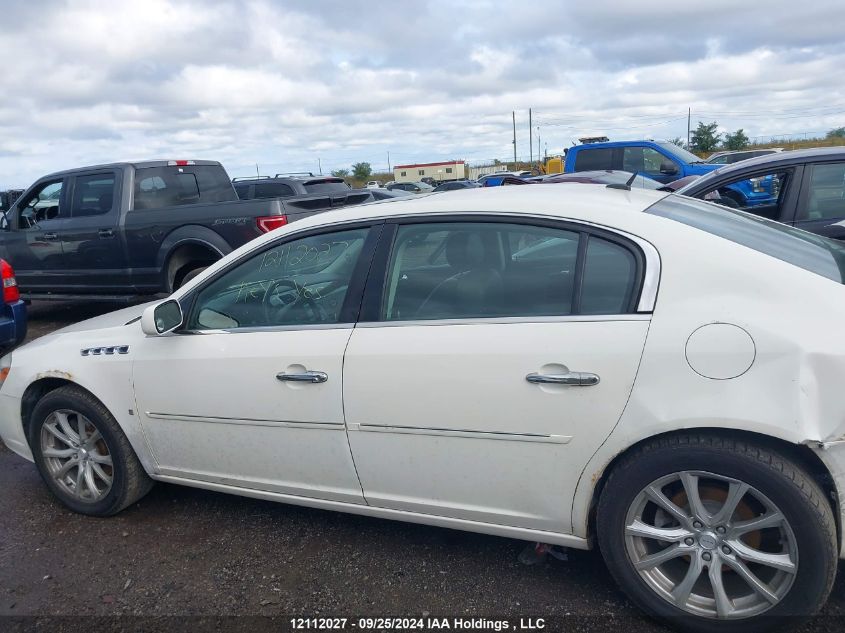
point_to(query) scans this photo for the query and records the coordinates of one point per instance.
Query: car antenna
(619, 185)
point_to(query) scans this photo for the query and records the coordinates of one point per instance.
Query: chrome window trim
(572, 318)
(273, 328)
(651, 274)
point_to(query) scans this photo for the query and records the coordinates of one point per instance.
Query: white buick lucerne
(579, 365)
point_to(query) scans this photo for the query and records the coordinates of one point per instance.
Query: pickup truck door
(92, 238)
(32, 237)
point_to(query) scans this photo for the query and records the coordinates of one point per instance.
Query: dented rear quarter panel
(792, 391)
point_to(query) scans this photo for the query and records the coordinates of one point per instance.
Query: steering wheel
(303, 300)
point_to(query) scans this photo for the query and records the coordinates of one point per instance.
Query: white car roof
(574, 200)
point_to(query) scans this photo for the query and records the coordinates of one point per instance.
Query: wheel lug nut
(720, 529)
(689, 541)
(706, 556)
(697, 525)
(726, 549)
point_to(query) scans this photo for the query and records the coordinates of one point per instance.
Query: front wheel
(82, 454)
(717, 535)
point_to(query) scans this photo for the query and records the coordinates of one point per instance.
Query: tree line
(707, 138)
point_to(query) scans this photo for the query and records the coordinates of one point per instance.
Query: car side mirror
(161, 318)
(668, 168)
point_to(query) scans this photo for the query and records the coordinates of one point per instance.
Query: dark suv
(288, 185)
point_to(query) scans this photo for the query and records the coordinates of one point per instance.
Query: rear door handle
(50, 236)
(573, 379)
(105, 233)
(308, 376)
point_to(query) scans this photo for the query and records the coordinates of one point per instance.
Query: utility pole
(539, 160)
(530, 140)
(689, 117)
(257, 173)
(388, 161)
(514, 138)
(319, 166)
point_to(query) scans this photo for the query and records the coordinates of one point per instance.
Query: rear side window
(826, 196)
(170, 186)
(593, 159)
(808, 251)
(493, 269)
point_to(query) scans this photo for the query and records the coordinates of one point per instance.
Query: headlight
(756, 185)
(5, 367)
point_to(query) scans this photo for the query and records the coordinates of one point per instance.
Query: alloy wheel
(711, 545)
(76, 455)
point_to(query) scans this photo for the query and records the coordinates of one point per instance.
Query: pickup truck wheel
(190, 275)
(716, 534)
(82, 454)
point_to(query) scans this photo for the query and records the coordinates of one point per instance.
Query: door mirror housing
(668, 168)
(161, 318)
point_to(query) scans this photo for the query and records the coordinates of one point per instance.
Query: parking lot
(188, 552)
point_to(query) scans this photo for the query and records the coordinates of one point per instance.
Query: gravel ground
(187, 552)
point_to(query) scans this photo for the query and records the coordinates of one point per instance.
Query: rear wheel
(82, 454)
(717, 534)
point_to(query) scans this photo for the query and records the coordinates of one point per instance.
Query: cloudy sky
(287, 83)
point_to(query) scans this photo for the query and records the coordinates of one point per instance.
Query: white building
(447, 170)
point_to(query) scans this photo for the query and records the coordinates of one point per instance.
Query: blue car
(12, 310)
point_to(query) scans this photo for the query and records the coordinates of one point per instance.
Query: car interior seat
(474, 285)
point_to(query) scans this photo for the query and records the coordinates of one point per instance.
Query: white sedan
(577, 365)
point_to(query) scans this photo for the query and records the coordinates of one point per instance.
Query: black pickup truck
(128, 229)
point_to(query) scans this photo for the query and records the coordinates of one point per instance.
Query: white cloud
(286, 83)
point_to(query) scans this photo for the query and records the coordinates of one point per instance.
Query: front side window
(93, 195)
(826, 195)
(814, 253)
(477, 270)
(301, 282)
(45, 203)
(761, 195)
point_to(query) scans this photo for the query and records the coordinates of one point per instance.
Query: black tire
(188, 276)
(129, 480)
(782, 480)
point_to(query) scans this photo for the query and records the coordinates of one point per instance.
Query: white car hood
(111, 319)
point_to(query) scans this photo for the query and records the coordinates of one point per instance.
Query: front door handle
(105, 233)
(50, 236)
(572, 378)
(308, 376)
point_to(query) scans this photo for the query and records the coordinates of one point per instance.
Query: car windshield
(681, 153)
(813, 253)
